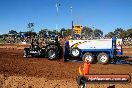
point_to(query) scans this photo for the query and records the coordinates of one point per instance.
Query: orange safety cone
(86, 68)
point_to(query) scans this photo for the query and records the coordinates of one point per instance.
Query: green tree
(87, 31)
(31, 34)
(98, 33)
(68, 32)
(110, 35)
(129, 32)
(43, 32)
(49, 32)
(120, 33)
(54, 32)
(58, 33)
(30, 26)
(12, 32)
(63, 32)
(1, 36)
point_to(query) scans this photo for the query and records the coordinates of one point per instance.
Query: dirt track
(16, 71)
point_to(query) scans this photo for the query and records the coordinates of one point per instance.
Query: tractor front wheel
(25, 54)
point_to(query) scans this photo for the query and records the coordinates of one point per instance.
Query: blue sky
(106, 15)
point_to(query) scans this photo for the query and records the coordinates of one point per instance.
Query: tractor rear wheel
(52, 54)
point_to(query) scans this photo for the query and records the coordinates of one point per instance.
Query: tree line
(86, 31)
(120, 33)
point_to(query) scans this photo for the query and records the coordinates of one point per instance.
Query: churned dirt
(19, 72)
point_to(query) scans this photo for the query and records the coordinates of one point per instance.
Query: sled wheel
(103, 58)
(52, 54)
(88, 56)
